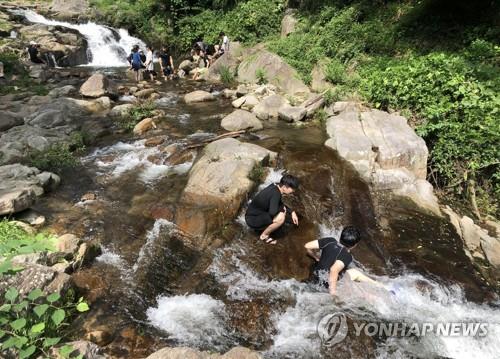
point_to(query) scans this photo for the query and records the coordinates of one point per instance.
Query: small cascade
(107, 47)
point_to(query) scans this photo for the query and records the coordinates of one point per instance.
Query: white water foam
(151, 236)
(108, 48)
(124, 157)
(195, 319)
(416, 299)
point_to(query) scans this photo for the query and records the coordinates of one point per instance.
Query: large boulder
(68, 46)
(288, 23)
(241, 120)
(63, 91)
(218, 185)
(98, 85)
(384, 150)
(198, 96)
(274, 68)
(229, 61)
(247, 102)
(269, 107)
(68, 9)
(121, 110)
(20, 187)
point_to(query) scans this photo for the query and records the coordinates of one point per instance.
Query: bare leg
(277, 223)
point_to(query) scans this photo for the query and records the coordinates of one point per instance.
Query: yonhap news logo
(333, 329)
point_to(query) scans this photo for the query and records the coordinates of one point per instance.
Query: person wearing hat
(33, 53)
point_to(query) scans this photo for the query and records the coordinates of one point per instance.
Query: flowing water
(107, 47)
(149, 290)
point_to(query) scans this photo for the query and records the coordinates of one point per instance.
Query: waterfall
(108, 47)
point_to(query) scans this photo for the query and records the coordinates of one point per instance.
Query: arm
(312, 247)
(172, 64)
(335, 269)
(275, 205)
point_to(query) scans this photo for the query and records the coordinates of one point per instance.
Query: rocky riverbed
(163, 200)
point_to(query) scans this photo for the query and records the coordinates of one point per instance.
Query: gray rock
(198, 96)
(20, 187)
(31, 217)
(144, 93)
(470, 233)
(291, 113)
(277, 71)
(288, 24)
(491, 249)
(32, 277)
(87, 349)
(241, 90)
(318, 82)
(121, 110)
(241, 120)
(56, 114)
(98, 85)
(218, 184)
(67, 244)
(384, 150)
(269, 107)
(62, 91)
(247, 102)
(9, 120)
(229, 61)
(66, 9)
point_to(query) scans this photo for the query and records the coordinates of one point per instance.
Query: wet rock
(67, 244)
(218, 183)
(65, 113)
(384, 150)
(24, 259)
(288, 23)
(133, 90)
(20, 187)
(291, 113)
(181, 157)
(84, 348)
(98, 85)
(279, 73)
(86, 253)
(144, 125)
(241, 353)
(241, 120)
(158, 212)
(9, 120)
(269, 107)
(154, 141)
(91, 283)
(60, 284)
(144, 93)
(62, 91)
(198, 96)
(31, 217)
(228, 93)
(99, 337)
(121, 110)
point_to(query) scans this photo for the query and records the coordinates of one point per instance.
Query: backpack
(136, 59)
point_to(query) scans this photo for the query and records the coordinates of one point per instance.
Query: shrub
(257, 173)
(31, 325)
(460, 113)
(56, 158)
(136, 115)
(335, 72)
(14, 241)
(226, 75)
(261, 76)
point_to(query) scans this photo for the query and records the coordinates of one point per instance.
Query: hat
(33, 43)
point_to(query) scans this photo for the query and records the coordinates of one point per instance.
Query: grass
(136, 115)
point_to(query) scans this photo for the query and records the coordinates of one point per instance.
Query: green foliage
(261, 76)
(460, 114)
(257, 173)
(226, 75)
(335, 72)
(136, 115)
(56, 158)
(249, 21)
(15, 241)
(31, 325)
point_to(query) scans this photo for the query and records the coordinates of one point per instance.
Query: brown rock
(144, 125)
(158, 212)
(67, 243)
(96, 86)
(144, 93)
(154, 141)
(198, 96)
(89, 196)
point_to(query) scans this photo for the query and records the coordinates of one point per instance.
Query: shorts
(261, 221)
(136, 67)
(167, 71)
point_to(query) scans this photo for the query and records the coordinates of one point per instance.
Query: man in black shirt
(336, 258)
(267, 212)
(166, 64)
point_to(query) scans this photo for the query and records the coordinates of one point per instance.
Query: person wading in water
(267, 212)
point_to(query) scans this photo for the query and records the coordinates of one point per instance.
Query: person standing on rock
(267, 213)
(336, 258)
(136, 63)
(166, 64)
(150, 67)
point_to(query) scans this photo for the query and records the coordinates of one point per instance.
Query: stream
(148, 290)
